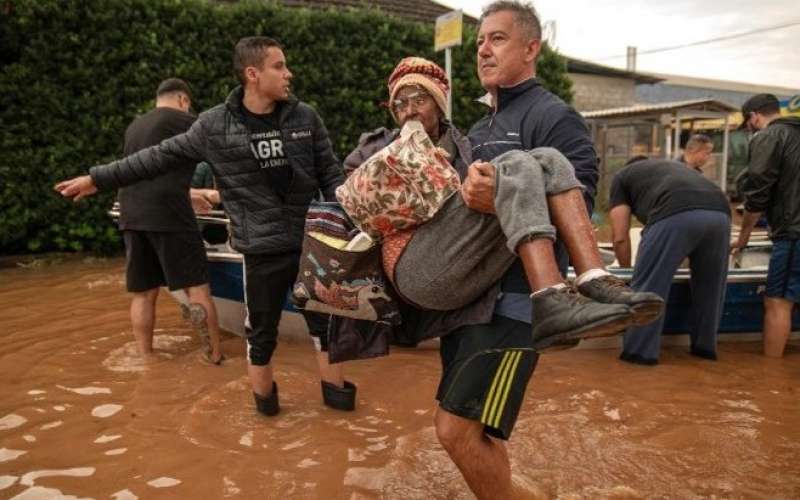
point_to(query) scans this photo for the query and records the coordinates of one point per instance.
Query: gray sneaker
(647, 306)
(562, 317)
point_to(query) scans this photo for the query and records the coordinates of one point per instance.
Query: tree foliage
(73, 74)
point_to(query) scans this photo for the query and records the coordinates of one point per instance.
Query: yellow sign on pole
(448, 30)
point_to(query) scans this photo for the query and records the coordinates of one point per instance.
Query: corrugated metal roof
(645, 109)
(575, 65)
(707, 83)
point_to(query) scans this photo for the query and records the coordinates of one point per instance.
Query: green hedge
(74, 73)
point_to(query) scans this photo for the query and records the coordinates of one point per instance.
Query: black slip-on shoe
(610, 289)
(268, 405)
(562, 317)
(702, 353)
(637, 359)
(339, 398)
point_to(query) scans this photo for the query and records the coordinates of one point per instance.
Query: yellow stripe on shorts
(497, 396)
(513, 372)
(488, 401)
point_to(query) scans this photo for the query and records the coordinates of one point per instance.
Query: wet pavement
(81, 417)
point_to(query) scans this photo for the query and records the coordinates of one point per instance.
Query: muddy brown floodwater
(79, 417)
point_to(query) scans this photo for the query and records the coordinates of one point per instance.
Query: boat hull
(743, 311)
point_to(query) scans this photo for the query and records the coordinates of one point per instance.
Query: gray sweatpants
(455, 257)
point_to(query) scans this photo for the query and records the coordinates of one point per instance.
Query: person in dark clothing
(697, 151)
(203, 177)
(474, 347)
(523, 116)
(271, 155)
(772, 185)
(162, 242)
(205, 198)
(684, 215)
(453, 259)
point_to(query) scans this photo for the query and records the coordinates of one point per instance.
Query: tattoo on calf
(185, 312)
(199, 318)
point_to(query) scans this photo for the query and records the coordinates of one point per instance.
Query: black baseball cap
(758, 102)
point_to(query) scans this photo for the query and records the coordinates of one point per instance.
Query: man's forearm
(749, 220)
(144, 164)
(622, 249)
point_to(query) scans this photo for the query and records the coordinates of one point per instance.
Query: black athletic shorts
(485, 371)
(154, 259)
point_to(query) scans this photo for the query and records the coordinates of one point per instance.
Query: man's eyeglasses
(402, 103)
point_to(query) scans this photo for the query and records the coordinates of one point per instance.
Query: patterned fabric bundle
(329, 218)
(399, 187)
(333, 279)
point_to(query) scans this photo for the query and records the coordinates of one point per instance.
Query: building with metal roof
(644, 109)
(596, 86)
(657, 131)
(672, 88)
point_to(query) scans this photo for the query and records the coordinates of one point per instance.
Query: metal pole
(725, 140)
(448, 66)
(677, 144)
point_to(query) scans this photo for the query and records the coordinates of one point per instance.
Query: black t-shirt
(266, 142)
(161, 204)
(656, 188)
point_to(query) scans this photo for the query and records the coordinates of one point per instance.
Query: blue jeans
(783, 277)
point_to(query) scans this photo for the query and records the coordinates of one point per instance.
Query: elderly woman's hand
(479, 187)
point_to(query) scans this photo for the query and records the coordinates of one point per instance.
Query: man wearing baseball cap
(772, 185)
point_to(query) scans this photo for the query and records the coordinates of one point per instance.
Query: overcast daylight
(340, 250)
(600, 31)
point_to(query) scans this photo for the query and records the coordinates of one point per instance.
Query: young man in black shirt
(685, 215)
(162, 242)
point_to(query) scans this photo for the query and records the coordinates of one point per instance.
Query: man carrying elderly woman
(452, 267)
(452, 260)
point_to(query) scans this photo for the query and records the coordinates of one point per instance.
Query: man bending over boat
(685, 215)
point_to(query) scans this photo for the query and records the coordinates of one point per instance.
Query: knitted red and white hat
(418, 71)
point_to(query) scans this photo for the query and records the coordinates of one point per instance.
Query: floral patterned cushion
(399, 187)
(392, 249)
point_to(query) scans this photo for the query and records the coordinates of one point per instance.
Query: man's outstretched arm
(77, 188)
(145, 164)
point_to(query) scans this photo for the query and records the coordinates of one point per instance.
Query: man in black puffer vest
(271, 155)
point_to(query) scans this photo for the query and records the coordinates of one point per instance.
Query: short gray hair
(525, 16)
(697, 141)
